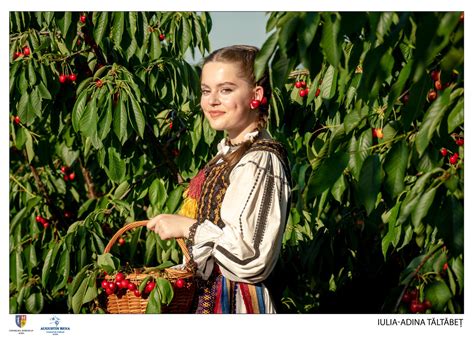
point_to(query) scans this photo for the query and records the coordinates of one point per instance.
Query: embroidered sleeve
(254, 211)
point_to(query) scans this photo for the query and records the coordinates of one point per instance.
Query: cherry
(303, 92)
(62, 78)
(317, 92)
(406, 298)
(427, 304)
(104, 284)
(453, 159)
(109, 291)
(432, 95)
(72, 176)
(254, 104)
(64, 169)
(72, 77)
(445, 266)
(66, 178)
(416, 306)
(121, 241)
(17, 120)
(377, 132)
(298, 84)
(98, 83)
(45, 225)
(438, 85)
(162, 37)
(460, 142)
(119, 277)
(131, 286)
(149, 287)
(39, 219)
(16, 55)
(435, 75)
(303, 84)
(137, 293)
(83, 18)
(112, 286)
(67, 214)
(264, 101)
(171, 125)
(179, 283)
(444, 152)
(26, 51)
(461, 17)
(405, 98)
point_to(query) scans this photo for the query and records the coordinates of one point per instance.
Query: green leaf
(456, 117)
(439, 295)
(43, 91)
(78, 110)
(431, 121)
(197, 132)
(118, 27)
(120, 120)
(155, 50)
(108, 262)
(117, 167)
(327, 174)
(395, 166)
(370, 180)
(31, 73)
(331, 40)
(359, 150)
(48, 263)
(121, 189)
(35, 302)
(394, 232)
(91, 291)
(423, 206)
(174, 199)
(100, 26)
(88, 121)
(78, 297)
(263, 56)
(186, 36)
(209, 133)
(157, 193)
(138, 118)
(150, 248)
(154, 302)
(329, 84)
(166, 290)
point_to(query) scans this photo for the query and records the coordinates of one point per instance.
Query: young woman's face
(225, 99)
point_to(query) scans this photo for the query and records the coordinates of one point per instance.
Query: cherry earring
(255, 104)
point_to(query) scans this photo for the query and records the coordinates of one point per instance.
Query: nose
(213, 99)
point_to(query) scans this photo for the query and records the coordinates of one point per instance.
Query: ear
(259, 92)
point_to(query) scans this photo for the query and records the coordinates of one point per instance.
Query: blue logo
(20, 320)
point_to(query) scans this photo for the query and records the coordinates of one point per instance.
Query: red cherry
(83, 18)
(149, 287)
(453, 159)
(461, 17)
(137, 293)
(298, 84)
(119, 277)
(66, 178)
(445, 266)
(39, 219)
(131, 286)
(45, 225)
(264, 101)
(72, 77)
(438, 85)
(98, 83)
(427, 304)
(26, 51)
(16, 55)
(432, 95)
(255, 104)
(317, 92)
(162, 37)
(416, 306)
(303, 84)
(64, 169)
(17, 120)
(62, 78)
(179, 283)
(444, 151)
(121, 241)
(435, 75)
(112, 286)
(72, 176)
(104, 284)
(109, 291)
(460, 142)
(405, 98)
(171, 125)
(67, 214)
(406, 298)
(303, 92)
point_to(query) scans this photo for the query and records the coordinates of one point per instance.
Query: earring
(255, 104)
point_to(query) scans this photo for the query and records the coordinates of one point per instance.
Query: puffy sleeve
(254, 211)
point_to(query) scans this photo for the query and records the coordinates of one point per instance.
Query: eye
(205, 91)
(226, 90)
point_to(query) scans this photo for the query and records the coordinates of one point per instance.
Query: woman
(243, 193)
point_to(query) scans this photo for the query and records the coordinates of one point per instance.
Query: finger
(150, 225)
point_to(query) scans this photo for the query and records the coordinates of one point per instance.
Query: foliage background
(354, 242)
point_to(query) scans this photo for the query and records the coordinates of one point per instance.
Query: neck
(239, 137)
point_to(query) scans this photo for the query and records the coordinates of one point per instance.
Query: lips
(216, 113)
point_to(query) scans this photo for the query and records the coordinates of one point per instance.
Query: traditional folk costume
(241, 215)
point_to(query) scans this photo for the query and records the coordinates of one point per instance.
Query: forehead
(216, 72)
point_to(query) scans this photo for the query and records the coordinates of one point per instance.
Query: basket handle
(138, 224)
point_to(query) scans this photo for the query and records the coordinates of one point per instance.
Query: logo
(54, 326)
(20, 320)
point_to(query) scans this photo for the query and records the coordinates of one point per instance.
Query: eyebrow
(227, 83)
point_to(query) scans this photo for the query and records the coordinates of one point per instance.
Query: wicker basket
(125, 301)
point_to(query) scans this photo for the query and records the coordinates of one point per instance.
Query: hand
(170, 226)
